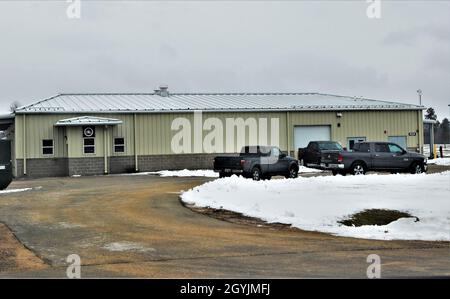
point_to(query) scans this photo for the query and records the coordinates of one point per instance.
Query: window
(47, 147)
(395, 149)
(119, 145)
(330, 146)
(275, 152)
(361, 147)
(381, 148)
(89, 145)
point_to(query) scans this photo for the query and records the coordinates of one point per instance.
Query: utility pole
(419, 92)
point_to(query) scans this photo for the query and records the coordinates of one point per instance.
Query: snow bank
(203, 172)
(440, 161)
(14, 190)
(318, 203)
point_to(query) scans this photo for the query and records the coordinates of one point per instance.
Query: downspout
(420, 133)
(105, 148)
(136, 166)
(288, 139)
(24, 136)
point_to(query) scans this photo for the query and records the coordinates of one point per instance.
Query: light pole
(419, 92)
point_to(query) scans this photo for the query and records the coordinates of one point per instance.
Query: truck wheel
(334, 172)
(416, 168)
(293, 173)
(358, 169)
(256, 174)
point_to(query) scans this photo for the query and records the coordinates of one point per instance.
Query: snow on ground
(203, 172)
(14, 190)
(440, 161)
(318, 203)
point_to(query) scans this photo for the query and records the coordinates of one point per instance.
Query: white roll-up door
(304, 134)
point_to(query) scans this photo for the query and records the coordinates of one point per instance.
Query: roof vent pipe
(163, 91)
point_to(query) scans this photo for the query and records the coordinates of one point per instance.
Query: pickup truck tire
(358, 168)
(336, 172)
(293, 172)
(222, 174)
(256, 173)
(417, 168)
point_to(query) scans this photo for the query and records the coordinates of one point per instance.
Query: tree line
(441, 129)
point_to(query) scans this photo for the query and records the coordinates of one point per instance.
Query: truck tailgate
(329, 157)
(227, 163)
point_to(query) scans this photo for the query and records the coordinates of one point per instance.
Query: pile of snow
(179, 173)
(440, 161)
(15, 190)
(318, 203)
(203, 172)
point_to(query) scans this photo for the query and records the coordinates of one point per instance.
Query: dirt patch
(14, 256)
(375, 217)
(432, 168)
(238, 218)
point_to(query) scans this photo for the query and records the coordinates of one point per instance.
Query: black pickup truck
(321, 155)
(257, 162)
(381, 156)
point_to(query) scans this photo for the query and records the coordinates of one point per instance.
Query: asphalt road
(135, 226)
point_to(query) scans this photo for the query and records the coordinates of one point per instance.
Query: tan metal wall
(154, 133)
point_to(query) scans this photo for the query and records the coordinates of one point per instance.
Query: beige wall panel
(154, 133)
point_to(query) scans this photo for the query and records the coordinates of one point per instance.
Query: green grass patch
(375, 217)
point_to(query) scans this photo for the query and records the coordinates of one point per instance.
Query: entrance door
(304, 134)
(352, 140)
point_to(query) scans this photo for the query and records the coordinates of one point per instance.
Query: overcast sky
(229, 46)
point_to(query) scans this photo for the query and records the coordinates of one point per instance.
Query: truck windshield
(330, 146)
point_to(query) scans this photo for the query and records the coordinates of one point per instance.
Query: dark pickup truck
(257, 162)
(321, 155)
(381, 156)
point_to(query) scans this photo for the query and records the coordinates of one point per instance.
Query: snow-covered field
(318, 203)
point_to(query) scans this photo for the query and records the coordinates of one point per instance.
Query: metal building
(87, 134)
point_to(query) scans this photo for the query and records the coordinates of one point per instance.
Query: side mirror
(282, 156)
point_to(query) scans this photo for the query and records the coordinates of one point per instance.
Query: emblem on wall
(88, 132)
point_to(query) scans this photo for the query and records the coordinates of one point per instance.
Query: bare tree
(14, 105)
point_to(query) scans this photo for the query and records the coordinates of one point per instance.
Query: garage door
(304, 134)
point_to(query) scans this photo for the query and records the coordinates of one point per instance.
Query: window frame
(119, 145)
(84, 146)
(47, 147)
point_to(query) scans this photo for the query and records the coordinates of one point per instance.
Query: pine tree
(430, 114)
(444, 130)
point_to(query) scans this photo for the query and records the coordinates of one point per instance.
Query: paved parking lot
(135, 226)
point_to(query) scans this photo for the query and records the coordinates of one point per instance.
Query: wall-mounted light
(339, 114)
